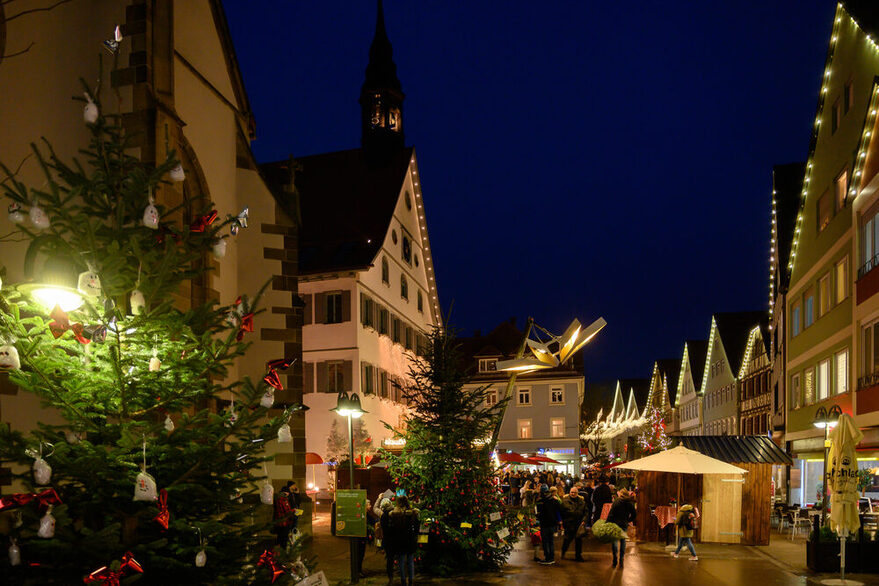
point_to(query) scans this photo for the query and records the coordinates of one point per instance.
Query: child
(686, 524)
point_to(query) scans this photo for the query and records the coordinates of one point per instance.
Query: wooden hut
(734, 509)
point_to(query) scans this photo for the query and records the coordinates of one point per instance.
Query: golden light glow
(67, 298)
(527, 364)
(579, 338)
(542, 352)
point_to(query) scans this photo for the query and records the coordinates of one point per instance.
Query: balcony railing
(868, 380)
(868, 266)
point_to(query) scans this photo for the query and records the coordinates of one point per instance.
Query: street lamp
(826, 419)
(56, 285)
(349, 407)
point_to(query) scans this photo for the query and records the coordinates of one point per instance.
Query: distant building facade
(688, 410)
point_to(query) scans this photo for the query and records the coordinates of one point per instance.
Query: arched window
(404, 288)
(386, 272)
(420, 302)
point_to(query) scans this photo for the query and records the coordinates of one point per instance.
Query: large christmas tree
(152, 472)
(446, 468)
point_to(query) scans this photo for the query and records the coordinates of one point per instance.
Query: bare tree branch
(32, 10)
(22, 52)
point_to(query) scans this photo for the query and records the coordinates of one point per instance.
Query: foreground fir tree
(446, 467)
(148, 476)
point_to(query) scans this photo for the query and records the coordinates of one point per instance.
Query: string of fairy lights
(711, 337)
(425, 242)
(749, 351)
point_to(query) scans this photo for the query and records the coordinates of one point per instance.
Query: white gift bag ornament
(200, 559)
(9, 358)
(38, 218)
(14, 553)
(137, 302)
(219, 249)
(90, 112)
(151, 216)
(268, 399)
(15, 215)
(169, 424)
(284, 435)
(72, 437)
(89, 283)
(47, 525)
(145, 487)
(155, 364)
(267, 493)
(177, 174)
(42, 472)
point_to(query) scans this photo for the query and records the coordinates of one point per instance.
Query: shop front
(566, 453)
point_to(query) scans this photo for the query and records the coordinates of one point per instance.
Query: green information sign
(351, 513)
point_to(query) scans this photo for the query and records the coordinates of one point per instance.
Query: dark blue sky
(579, 159)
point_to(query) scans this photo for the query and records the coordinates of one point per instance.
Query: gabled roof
(787, 184)
(697, 351)
(346, 206)
(865, 13)
(640, 387)
(734, 329)
(618, 409)
(745, 449)
(597, 396)
(670, 369)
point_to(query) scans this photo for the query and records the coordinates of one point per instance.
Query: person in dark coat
(386, 507)
(622, 512)
(573, 515)
(283, 517)
(549, 516)
(586, 493)
(402, 537)
(601, 495)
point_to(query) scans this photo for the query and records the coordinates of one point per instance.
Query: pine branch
(33, 10)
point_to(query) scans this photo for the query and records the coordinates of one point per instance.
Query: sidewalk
(791, 555)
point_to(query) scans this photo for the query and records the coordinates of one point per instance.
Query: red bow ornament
(268, 559)
(201, 223)
(104, 575)
(43, 499)
(244, 318)
(164, 516)
(272, 378)
(61, 324)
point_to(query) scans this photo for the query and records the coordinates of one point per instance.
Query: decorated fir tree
(150, 473)
(445, 467)
(654, 437)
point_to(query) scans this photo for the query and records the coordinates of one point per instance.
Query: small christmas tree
(446, 468)
(337, 444)
(362, 442)
(145, 462)
(654, 438)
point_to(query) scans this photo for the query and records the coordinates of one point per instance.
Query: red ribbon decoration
(272, 378)
(201, 223)
(164, 515)
(246, 326)
(44, 499)
(268, 559)
(104, 575)
(62, 324)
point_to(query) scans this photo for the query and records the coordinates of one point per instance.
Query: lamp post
(825, 419)
(349, 407)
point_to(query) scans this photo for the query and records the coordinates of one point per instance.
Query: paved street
(780, 564)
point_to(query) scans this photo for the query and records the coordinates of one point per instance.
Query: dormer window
(407, 249)
(487, 364)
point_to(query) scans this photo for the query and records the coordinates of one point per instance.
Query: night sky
(579, 159)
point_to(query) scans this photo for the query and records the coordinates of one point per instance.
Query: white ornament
(151, 216)
(268, 398)
(39, 218)
(14, 554)
(137, 301)
(169, 424)
(42, 472)
(155, 364)
(15, 215)
(219, 249)
(267, 493)
(89, 283)
(47, 525)
(177, 174)
(9, 358)
(145, 487)
(72, 437)
(200, 559)
(90, 112)
(284, 435)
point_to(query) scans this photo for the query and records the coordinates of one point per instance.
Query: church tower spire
(381, 97)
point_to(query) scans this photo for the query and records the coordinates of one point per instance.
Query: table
(665, 516)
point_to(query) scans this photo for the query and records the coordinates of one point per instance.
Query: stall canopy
(514, 458)
(683, 461)
(312, 458)
(543, 459)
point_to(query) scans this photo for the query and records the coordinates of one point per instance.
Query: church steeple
(381, 97)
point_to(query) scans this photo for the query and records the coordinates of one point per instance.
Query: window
(491, 397)
(524, 395)
(823, 294)
(383, 321)
(556, 396)
(407, 249)
(383, 388)
(420, 299)
(869, 244)
(809, 314)
(848, 95)
(524, 427)
(404, 288)
(409, 336)
(335, 376)
(841, 189)
(394, 119)
(841, 276)
(408, 198)
(841, 369)
(836, 114)
(367, 382)
(795, 319)
(367, 316)
(386, 272)
(809, 386)
(870, 345)
(823, 379)
(557, 427)
(487, 364)
(396, 327)
(825, 211)
(334, 308)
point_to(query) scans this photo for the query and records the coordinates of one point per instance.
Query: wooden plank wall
(756, 503)
(656, 488)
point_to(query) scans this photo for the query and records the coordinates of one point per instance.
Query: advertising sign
(351, 513)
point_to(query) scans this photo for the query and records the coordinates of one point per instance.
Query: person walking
(527, 492)
(381, 530)
(586, 493)
(283, 517)
(548, 516)
(622, 512)
(402, 537)
(686, 524)
(600, 496)
(573, 517)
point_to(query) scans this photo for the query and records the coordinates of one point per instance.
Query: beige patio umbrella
(843, 482)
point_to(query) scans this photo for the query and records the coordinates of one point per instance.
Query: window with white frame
(491, 397)
(487, 364)
(524, 396)
(841, 277)
(841, 368)
(557, 427)
(870, 348)
(524, 428)
(556, 396)
(823, 379)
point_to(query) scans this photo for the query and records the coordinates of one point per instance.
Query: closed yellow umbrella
(843, 481)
